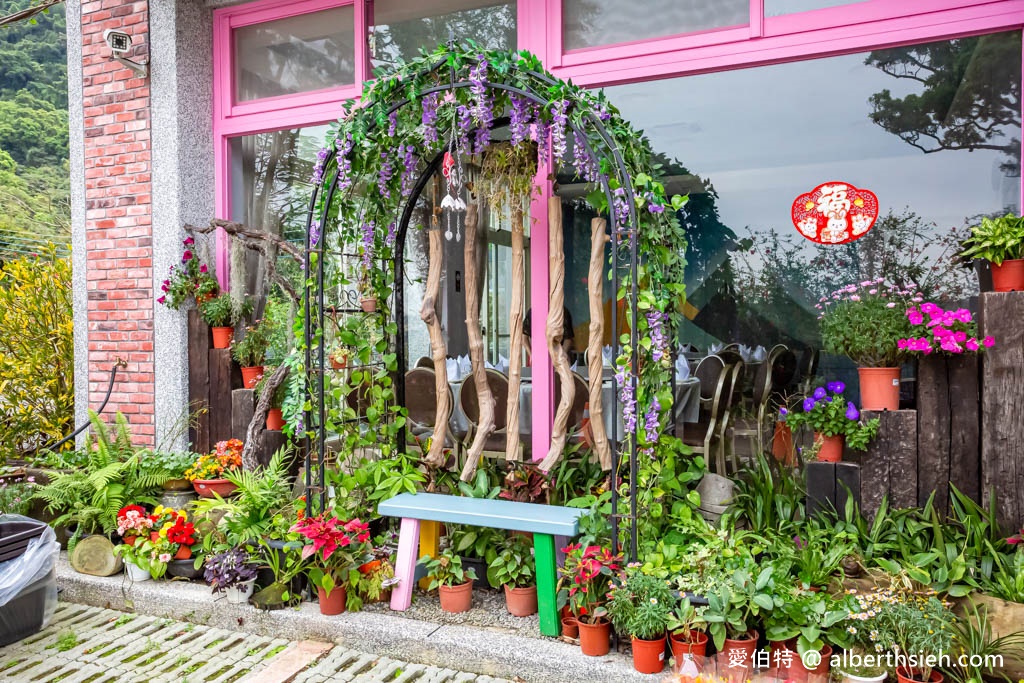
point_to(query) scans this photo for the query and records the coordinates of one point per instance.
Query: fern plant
(114, 474)
(249, 515)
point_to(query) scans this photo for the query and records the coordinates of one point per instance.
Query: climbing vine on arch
(380, 146)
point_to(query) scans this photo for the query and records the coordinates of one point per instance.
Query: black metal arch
(315, 373)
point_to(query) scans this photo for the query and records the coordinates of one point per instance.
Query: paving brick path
(93, 645)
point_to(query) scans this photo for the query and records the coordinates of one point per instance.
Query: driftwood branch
(595, 364)
(555, 323)
(258, 423)
(258, 241)
(486, 421)
(438, 348)
(515, 326)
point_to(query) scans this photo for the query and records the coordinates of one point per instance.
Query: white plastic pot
(850, 678)
(137, 574)
(240, 594)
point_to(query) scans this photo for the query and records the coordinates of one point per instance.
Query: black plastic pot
(24, 615)
(185, 569)
(480, 567)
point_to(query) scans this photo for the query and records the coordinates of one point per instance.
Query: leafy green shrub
(37, 359)
(224, 311)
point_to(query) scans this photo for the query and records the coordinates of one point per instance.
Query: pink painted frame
(846, 29)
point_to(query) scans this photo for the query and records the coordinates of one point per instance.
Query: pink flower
(854, 297)
(972, 344)
(914, 316)
(891, 304)
(203, 268)
(989, 342)
(187, 256)
(161, 300)
(188, 241)
(165, 557)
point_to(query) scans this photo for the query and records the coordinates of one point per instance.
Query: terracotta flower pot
(368, 304)
(879, 388)
(251, 376)
(275, 420)
(782, 444)
(339, 362)
(782, 663)
(831, 447)
(570, 627)
(207, 487)
(747, 645)
(154, 536)
(1008, 277)
(521, 602)
(184, 552)
(594, 638)
(130, 540)
(697, 644)
(908, 675)
(801, 672)
(649, 655)
(334, 602)
(222, 337)
(456, 599)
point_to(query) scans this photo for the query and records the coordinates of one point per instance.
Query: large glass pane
(933, 130)
(589, 23)
(401, 28)
(775, 8)
(293, 55)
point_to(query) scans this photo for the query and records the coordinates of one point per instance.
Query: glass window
(775, 8)
(589, 23)
(933, 130)
(298, 54)
(401, 28)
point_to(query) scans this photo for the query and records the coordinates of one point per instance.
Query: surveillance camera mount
(141, 69)
(120, 44)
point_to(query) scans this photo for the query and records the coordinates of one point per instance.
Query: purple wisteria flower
(314, 233)
(558, 126)
(586, 167)
(368, 230)
(429, 118)
(851, 411)
(519, 119)
(384, 175)
(659, 345)
(651, 421)
(408, 170)
(318, 167)
(392, 123)
(621, 208)
(465, 121)
(389, 241)
(628, 401)
(482, 105)
(344, 148)
(653, 205)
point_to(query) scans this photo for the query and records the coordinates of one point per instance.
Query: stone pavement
(94, 645)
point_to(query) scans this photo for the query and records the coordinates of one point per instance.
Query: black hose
(110, 387)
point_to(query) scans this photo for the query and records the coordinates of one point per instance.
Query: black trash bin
(28, 577)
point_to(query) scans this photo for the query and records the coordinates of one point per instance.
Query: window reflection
(775, 8)
(590, 23)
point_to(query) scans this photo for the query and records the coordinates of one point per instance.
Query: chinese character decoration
(835, 213)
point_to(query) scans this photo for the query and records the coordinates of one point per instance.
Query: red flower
(123, 512)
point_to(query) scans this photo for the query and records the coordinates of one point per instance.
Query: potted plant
(137, 560)
(207, 473)
(231, 572)
(454, 583)
(190, 279)
(286, 566)
(373, 580)
(945, 331)
(583, 585)
(332, 548)
(640, 605)
(817, 554)
(834, 420)
(798, 625)
(251, 351)
(514, 569)
(686, 634)
(865, 323)
(367, 295)
(999, 241)
(174, 463)
(275, 420)
(222, 313)
(133, 524)
(338, 356)
(731, 610)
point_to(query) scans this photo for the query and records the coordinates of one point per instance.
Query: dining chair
(732, 398)
(752, 428)
(701, 436)
(808, 368)
(424, 362)
(469, 401)
(421, 403)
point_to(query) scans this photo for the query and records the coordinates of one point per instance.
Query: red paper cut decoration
(835, 213)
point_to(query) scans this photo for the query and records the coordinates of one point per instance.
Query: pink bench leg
(405, 564)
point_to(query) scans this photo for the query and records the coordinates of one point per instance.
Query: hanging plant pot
(275, 421)
(907, 675)
(649, 655)
(879, 388)
(594, 637)
(251, 376)
(456, 599)
(222, 337)
(368, 304)
(184, 552)
(1009, 276)
(339, 361)
(207, 487)
(695, 645)
(830, 448)
(570, 627)
(334, 602)
(521, 602)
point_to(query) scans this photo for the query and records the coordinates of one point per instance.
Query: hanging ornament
(835, 213)
(451, 169)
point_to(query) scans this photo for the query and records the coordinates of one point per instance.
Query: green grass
(123, 619)
(65, 642)
(274, 652)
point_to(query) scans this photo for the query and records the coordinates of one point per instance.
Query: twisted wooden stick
(555, 322)
(438, 348)
(595, 364)
(515, 322)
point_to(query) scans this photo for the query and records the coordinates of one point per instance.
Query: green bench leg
(547, 600)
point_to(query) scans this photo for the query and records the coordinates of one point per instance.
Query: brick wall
(118, 217)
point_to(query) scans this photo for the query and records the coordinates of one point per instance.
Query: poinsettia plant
(584, 579)
(949, 331)
(191, 279)
(333, 547)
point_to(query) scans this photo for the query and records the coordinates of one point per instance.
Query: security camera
(120, 43)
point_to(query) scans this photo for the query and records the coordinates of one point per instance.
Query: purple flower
(783, 412)
(651, 421)
(318, 167)
(659, 344)
(344, 148)
(820, 393)
(519, 118)
(392, 230)
(808, 404)
(314, 233)
(429, 118)
(368, 229)
(836, 387)
(408, 170)
(558, 125)
(392, 123)
(203, 268)
(384, 175)
(851, 411)
(628, 401)
(799, 543)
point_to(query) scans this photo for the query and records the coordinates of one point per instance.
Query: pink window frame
(857, 27)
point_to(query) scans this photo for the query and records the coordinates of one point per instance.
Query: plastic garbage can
(28, 581)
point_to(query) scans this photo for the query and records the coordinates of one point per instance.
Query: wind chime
(451, 169)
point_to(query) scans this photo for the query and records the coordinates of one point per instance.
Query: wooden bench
(421, 514)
